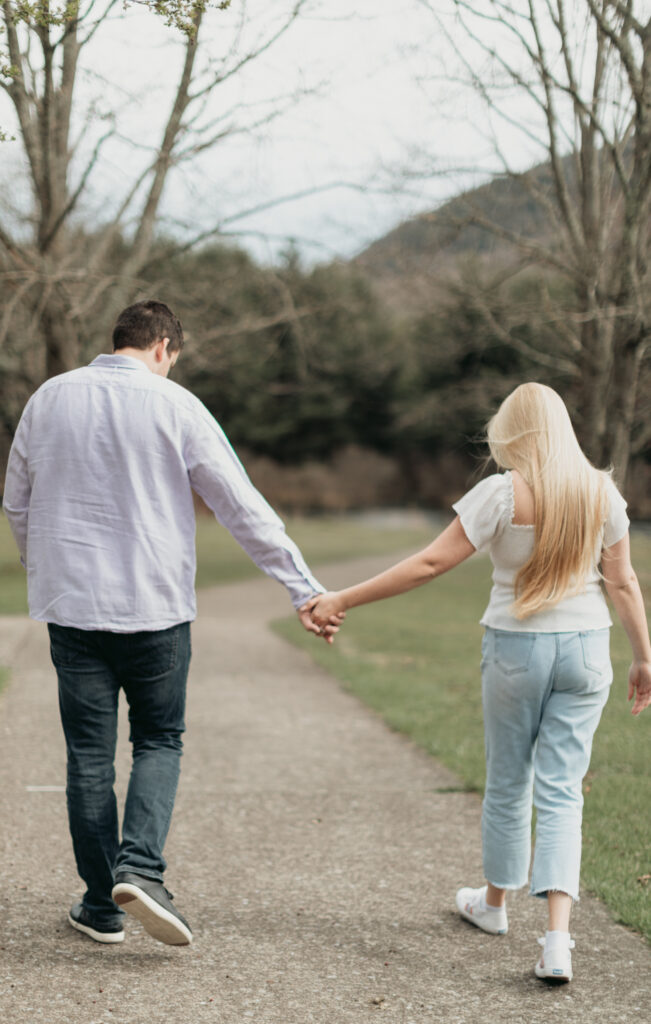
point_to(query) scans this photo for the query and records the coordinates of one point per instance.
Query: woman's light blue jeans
(543, 694)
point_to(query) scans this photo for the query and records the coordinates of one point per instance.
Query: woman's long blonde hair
(532, 433)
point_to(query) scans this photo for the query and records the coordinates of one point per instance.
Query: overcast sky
(373, 102)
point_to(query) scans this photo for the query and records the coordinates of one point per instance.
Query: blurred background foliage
(341, 389)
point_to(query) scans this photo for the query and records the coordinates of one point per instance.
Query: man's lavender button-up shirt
(99, 498)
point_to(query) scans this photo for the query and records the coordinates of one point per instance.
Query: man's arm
(18, 489)
(217, 475)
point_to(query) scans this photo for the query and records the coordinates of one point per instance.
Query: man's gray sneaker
(81, 919)
(151, 903)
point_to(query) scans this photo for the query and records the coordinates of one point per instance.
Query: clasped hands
(322, 615)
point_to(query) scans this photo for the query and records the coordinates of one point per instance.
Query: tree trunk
(61, 339)
(621, 407)
(595, 367)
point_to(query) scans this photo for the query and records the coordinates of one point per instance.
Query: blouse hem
(522, 628)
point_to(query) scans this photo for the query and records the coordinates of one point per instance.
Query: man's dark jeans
(152, 669)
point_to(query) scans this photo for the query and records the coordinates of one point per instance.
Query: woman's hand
(327, 629)
(639, 685)
(326, 608)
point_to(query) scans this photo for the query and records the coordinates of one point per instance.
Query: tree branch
(552, 362)
(19, 96)
(217, 229)
(622, 45)
(19, 254)
(163, 161)
(253, 54)
(72, 202)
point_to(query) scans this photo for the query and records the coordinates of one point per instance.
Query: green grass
(415, 660)
(13, 586)
(328, 539)
(221, 560)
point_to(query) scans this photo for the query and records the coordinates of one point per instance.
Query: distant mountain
(418, 252)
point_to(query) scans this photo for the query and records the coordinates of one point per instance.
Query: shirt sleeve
(217, 475)
(617, 523)
(484, 509)
(18, 488)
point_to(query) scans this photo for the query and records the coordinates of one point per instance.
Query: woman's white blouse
(486, 514)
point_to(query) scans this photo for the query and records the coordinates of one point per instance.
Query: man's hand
(326, 608)
(329, 627)
(639, 685)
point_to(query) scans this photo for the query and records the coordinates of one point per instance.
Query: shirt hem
(143, 626)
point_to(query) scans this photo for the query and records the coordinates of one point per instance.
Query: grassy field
(415, 660)
(329, 539)
(221, 560)
(13, 589)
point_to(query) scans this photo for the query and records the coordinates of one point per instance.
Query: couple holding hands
(99, 498)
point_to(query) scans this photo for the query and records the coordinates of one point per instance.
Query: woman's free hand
(639, 685)
(326, 608)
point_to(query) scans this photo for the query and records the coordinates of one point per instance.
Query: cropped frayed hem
(542, 893)
(502, 885)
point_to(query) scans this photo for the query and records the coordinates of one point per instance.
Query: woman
(547, 523)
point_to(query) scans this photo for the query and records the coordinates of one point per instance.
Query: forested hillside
(362, 383)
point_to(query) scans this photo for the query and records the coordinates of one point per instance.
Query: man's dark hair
(145, 323)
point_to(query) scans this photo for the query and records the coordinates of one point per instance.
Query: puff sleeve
(617, 522)
(485, 509)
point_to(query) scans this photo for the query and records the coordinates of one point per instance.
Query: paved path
(315, 853)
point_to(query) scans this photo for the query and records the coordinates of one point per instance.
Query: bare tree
(56, 275)
(574, 78)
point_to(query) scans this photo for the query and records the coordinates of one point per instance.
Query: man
(99, 498)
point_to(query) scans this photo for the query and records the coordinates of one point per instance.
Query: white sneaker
(555, 964)
(471, 904)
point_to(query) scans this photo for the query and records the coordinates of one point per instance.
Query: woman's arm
(624, 592)
(450, 547)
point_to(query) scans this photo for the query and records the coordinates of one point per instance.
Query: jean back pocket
(513, 651)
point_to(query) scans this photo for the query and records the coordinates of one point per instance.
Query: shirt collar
(120, 361)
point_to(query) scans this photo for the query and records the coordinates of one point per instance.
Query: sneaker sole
(489, 931)
(473, 920)
(156, 921)
(106, 937)
(560, 978)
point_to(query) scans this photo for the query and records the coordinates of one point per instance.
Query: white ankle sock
(556, 940)
(483, 905)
